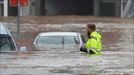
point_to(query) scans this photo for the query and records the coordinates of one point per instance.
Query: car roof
(59, 34)
(3, 29)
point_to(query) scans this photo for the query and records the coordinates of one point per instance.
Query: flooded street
(117, 57)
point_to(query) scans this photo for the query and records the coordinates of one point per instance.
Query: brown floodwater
(117, 57)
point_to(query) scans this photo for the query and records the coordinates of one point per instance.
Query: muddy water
(117, 57)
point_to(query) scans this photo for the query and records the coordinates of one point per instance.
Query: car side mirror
(23, 48)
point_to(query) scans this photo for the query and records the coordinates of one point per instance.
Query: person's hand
(83, 49)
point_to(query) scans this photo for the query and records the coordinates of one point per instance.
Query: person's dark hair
(91, 26)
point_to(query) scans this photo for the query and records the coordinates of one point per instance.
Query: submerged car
(59, 39)
(7, 42)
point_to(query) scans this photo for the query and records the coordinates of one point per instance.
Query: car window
(56, 40)
(49, 40)
(71, 40)
(6, 43)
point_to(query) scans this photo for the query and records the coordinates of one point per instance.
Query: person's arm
(91, 44)
(83, 49)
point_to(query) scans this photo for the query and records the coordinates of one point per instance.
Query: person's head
(90, 28)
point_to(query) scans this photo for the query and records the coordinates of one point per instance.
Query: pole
(70, 7)
(5, 8)
(18, 20)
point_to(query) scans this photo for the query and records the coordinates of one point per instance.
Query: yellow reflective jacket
(94, 42)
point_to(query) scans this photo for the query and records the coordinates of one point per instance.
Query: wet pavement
(117, 57)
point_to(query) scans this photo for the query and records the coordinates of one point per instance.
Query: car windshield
(57, 40)
(6, 43)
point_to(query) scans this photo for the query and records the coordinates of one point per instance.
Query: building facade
(115, 8)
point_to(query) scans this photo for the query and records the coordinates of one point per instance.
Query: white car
(58, 39)
(7, 42)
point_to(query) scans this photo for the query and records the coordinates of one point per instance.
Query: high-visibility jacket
(94, 42)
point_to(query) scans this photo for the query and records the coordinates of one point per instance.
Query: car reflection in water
(59, 40)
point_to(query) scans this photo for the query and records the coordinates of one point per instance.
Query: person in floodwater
(93, 45)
